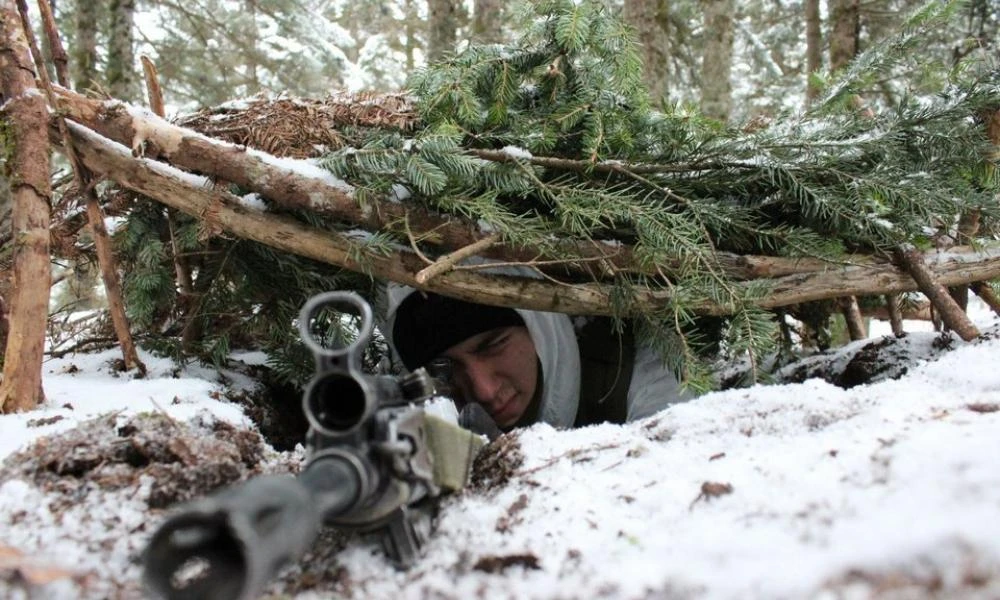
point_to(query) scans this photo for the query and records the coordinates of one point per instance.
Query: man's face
(498, 369)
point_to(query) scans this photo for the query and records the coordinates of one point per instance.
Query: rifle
(376, 461)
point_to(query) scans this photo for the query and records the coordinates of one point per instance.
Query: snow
(254, 201)
(516, 152)
(304, 168)
(784, 491)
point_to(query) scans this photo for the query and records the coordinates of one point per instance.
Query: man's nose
(483, 380)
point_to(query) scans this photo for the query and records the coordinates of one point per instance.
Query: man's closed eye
(492, 344)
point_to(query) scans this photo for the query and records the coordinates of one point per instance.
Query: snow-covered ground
(806, 490)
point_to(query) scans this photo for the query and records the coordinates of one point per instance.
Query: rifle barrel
(229, 545)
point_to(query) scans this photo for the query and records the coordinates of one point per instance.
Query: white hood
(555, 343)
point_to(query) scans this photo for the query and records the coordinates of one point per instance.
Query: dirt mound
(182, 461)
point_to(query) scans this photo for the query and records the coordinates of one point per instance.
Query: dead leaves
(43, 421)
(183, 462)
(711, 489)
(497, 462)
(507, 522)
(499, 564)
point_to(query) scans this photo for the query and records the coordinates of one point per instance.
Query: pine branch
(174, 188)
(189, 150)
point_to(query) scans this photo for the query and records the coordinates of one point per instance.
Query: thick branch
(853, 318)
(895, 317)
(305, 187)
(951, 313)
(987, 295)
(59, 57)
(174, 188)
(895, 313)
(298, 189)
(448, 262)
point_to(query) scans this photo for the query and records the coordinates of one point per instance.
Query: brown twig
(59, 57)
(448, 261)
(154, 95)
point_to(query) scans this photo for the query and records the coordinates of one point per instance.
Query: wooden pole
(25, 115)
(951, 313)
(95, 216)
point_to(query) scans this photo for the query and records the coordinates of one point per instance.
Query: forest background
(721, 64)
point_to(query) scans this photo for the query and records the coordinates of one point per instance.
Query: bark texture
(814, 46)
(856, 328)
(442, 28)
(845, 25)
(487, 23)
(951, 313)
(895, 315)
(85, 45)
(651, 21)
(26, 121)
(717, 59)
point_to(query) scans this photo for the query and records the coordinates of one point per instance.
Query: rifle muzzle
(337, 403)
(229, 545)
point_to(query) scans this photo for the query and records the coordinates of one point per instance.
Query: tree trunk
(814, 47)
(6, 259)
(251, 49)
(845, 25)
(121, 72)
(85, 45)
(410, 30)
(442, 28)
(717, 59)
(650, 19)
(487, 21)
(26, 122)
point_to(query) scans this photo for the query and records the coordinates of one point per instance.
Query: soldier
(524, 366)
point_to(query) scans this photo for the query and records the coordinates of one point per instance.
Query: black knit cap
(428, 324)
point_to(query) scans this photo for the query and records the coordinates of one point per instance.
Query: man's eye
(495, 343)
